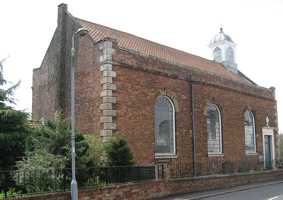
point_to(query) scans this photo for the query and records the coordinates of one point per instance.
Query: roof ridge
(150, 41)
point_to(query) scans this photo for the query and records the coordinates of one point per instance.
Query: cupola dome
(223, 50)
(221, 36)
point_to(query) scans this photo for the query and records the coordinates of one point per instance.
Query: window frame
(249, 152)
(230, 55)
(221, 152)
(217, 54)
(164, 155)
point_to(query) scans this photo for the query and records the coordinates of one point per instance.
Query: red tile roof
(146, 47)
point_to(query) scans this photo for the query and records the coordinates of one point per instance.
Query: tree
(49, 154)
(13, 131)
(13, 126)
(53, 137)
(6, 95)
(118, 152)
(40, 171)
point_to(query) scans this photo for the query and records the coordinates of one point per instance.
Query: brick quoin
(116, 91)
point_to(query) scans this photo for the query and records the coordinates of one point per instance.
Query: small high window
(164, 126)
(214, 131)
(217, 54)
(250, 139)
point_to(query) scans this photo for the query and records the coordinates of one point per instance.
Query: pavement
(260, 191)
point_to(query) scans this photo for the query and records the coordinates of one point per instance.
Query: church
(173, 107)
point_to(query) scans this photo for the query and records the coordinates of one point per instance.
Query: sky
(254, 25)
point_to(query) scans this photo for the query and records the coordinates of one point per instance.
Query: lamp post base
(74, 190)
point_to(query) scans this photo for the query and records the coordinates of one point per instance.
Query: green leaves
(118, 152)
(13, 120)
(13, 132)
(6, 95)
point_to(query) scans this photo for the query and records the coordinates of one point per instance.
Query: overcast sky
(255, 25)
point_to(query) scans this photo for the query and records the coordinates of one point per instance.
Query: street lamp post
(74, 186)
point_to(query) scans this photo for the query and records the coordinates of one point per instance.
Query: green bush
(49, 152)
(94, 153)
(10, 193)
(118, 152)
(40, 172)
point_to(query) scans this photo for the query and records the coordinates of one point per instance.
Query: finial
(267, 121)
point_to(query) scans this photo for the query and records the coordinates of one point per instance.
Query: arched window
(214, 130)
(164, 126)
(250, 139)
(217, 54)
(230, 55)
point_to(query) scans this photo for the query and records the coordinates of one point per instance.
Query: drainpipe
(193, 123)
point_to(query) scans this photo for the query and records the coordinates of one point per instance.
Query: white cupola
(223, 50)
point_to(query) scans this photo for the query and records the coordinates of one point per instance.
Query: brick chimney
(62, 10)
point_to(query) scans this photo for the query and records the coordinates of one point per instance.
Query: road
(266, 191)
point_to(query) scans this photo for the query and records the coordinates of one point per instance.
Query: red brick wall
(45, 84)
(88, 87)
(136, 95)
(154, 189)
(141, 79)
(232, 106)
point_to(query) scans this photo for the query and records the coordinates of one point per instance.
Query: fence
(219, 166)
(20, 182)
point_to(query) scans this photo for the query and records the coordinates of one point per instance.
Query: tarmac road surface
(263, 191)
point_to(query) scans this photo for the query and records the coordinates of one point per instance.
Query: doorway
(268, 148)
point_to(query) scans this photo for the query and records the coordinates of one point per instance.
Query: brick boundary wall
(162, 188)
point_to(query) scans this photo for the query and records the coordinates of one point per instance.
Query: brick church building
(172, 106)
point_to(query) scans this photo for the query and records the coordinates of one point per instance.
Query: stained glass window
(250, 141)
(214, 132)
(164, 126)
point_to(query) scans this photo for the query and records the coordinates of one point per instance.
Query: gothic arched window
(164, 126)
(230, 55)
(214, 130)
(217, 54)
(250, 139)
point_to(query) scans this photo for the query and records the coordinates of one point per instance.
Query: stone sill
(216, 155)
(251, 153)
(165, 156)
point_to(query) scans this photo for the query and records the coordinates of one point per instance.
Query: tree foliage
(13, 131)
(53, 137)
(118, 152)
(43, 169)
(49, 154)
(6, 93)
(13, 126)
